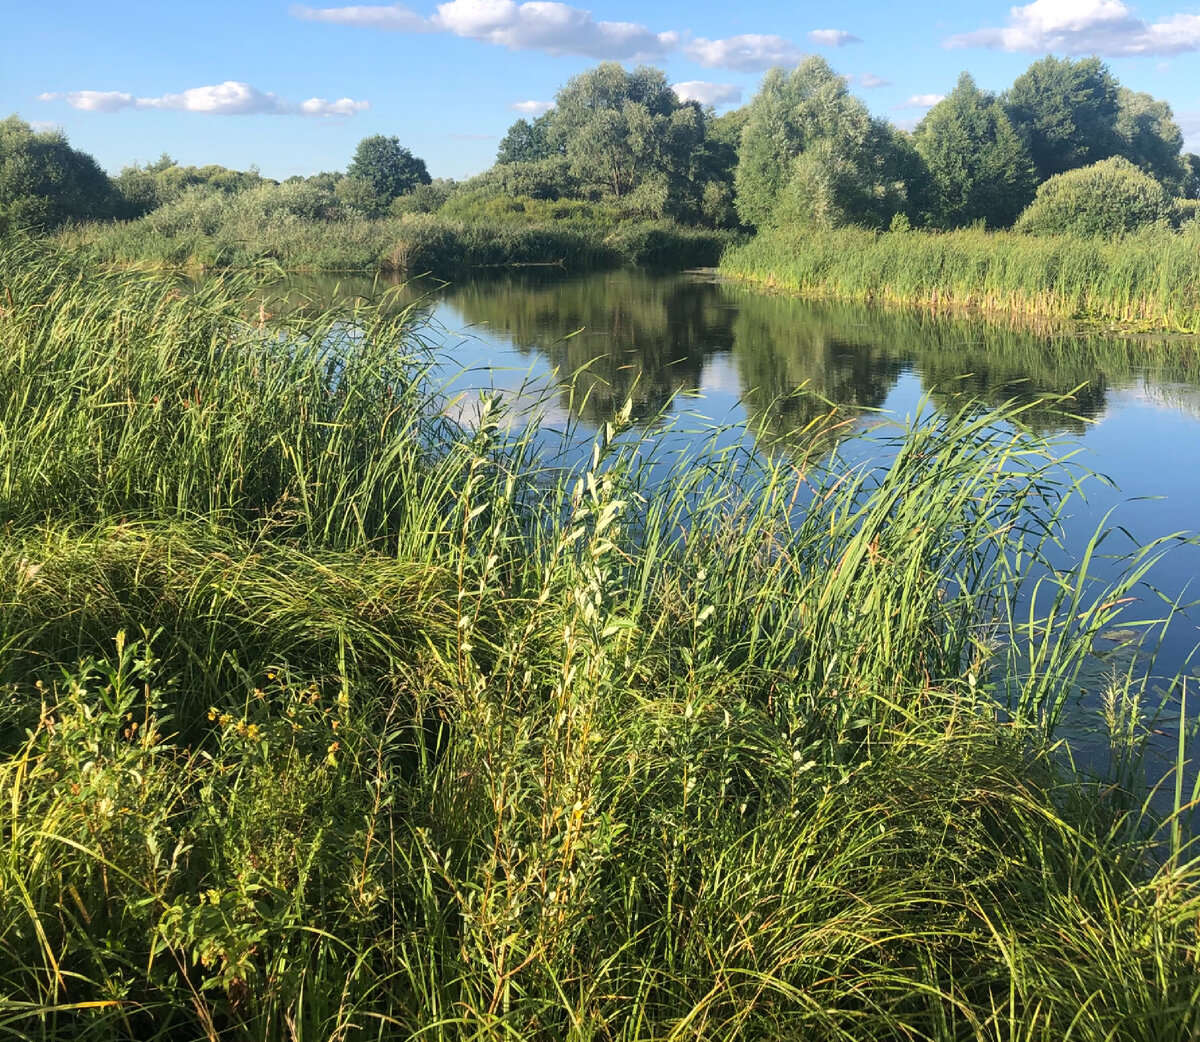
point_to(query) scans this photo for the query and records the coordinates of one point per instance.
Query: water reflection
(770, 360)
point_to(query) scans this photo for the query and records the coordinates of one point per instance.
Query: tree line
(621, 144)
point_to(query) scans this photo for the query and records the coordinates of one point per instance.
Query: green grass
(325, 717)
(1147, 280)
(219, 232)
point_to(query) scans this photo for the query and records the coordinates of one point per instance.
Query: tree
(1106, 199)
(1066, 111)
(1191, 183)
(528, 142)
(1149, 137)
(44, 181)
(615, 127)
(387, 168)
(812, 151)
(978, 167)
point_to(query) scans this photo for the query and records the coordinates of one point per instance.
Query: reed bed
(1147, 280)
(327, 717)
(214, 232)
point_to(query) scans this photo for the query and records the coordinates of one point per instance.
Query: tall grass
(258, 230)
(1148, 279)
(326, 717)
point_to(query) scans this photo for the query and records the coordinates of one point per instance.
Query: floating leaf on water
(1119, 636)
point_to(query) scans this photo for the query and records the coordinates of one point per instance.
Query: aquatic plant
(326, 716)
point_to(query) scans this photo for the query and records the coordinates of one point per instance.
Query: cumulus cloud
(870, 81)
(550, 27)
(833, 37)
(1104, 27)
(558, 28)
(539, 25)
(92, 100)
(923, 101)
(532, 108)
(341, 107)
(225, 99)
(750, 52)
(708, 93)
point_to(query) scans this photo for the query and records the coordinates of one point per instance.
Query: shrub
(1105, 199)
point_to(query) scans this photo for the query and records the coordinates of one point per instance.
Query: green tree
(978, 167)
(1066, 111)
(386, 167)
(1106, 199)
(812, 151)
(1149, 137)
(1191, 182)
(528, 142)
(44, 181)
(617, 128)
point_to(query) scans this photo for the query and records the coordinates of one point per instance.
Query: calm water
(692, 343)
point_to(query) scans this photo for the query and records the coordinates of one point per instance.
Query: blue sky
(293, 87)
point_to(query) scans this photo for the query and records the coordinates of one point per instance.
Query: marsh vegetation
(327, 716)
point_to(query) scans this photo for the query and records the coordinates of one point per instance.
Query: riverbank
(202, 239)
(325, 716)
(1143, 282)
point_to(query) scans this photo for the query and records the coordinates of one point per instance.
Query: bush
(1105, 199)
(1186, 211)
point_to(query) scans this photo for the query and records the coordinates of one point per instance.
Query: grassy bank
(325, 717)
(215, 233)
(1148, 280)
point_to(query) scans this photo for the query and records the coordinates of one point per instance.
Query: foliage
(978, 167)
(527, 142)
(386, 167)
(327, 717)
(424, 198)
(1107, 199)
(1066, 111)
(144, 189)
(812, 152)
(305, 227)
(612, 125)
(1150, 138)
(544, 179)
(44, 182)
(627, 137)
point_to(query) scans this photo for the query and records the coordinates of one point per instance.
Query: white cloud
(558, 28)
(833, 37)
(539, 25)
(555, 28)
(396, 18)
(532, 108)
(225, 99)
(341, 107)
(708, 93)
(92, 100)
(923, 101)
(1104, 27)
(870, 81)
(750, 52)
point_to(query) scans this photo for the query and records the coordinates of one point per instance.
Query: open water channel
(695, 346)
